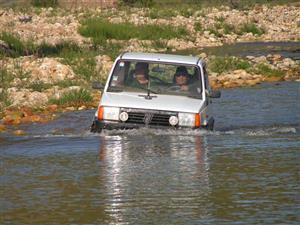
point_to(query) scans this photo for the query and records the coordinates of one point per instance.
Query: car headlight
(189, 119)
(108, 113)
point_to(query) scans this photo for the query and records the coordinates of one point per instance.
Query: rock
(2, 128)
(51, 71)
(273, 79)
(252, 82)
(203, 55)
(19, 132)
(13, 118)
(52, 108)
(277, 57)
(25, 19)
(24, 97)
(82, 107)
(71, 108)
(103, 65)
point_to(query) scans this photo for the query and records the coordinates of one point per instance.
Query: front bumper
(97, 126)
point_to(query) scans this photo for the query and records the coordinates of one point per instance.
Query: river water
(245, 172)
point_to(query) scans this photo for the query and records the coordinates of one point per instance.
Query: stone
(2, 128)
(24, 97)
(252, 82)
(83, 107)
(52, 108)
(273, 79)
(71, 108)
(19, 132)
(51, 71)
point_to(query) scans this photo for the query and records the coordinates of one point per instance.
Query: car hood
(161, 102)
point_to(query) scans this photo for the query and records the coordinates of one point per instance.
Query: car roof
(159, 57)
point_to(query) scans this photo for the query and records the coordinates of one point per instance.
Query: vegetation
(6, 78)
(138, 3)
(39, 86)
(224, 64)
(266, 70)
(73, 98)
(101, 31)
(198, 27)
(44, 3)
(251, 28)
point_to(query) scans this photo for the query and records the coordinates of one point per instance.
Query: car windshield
(156, 78)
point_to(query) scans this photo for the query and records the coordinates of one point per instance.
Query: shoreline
(14, 118)
(49, 56)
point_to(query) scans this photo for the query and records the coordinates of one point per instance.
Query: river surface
(242, 49)
(245, 172)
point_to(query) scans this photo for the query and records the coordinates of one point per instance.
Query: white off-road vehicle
(157, 91)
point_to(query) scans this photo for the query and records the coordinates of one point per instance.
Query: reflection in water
(158, 183)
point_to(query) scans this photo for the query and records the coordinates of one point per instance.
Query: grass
(73, 98)
(198, 27)
(81, 60)
(225, 64)
(165, 13)
(16, 47)
(266, 70)
(6, 77)
(4, 101)
(44, 3)
(251, 28)
(100, 31)
(39, 86)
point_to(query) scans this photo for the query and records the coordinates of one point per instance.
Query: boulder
(51, 71)
(24, 97)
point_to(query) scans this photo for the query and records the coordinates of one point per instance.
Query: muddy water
(245, 172)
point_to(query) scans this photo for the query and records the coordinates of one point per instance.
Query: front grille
(154, 118)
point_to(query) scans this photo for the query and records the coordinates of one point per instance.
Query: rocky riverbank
(47, 66)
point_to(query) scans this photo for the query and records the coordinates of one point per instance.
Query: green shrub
(101, 30)
(68, 83)
(225, 64)
(156, 13)
(228, 28)
(215, 32)
(5, 77)
(251, 28)
(15, 45)
(74, 98)
(4, 101)
(44, 3)
(266, 70)
(198, 27)
(39, 86)
(59, 49)
(160, 44)
(138, 3)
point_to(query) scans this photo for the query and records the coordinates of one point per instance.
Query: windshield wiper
(115, 89)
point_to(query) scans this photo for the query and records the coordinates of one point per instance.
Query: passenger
(181, 78)
(141, 74)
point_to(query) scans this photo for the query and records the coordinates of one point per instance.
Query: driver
(141, 74)
(181, 78)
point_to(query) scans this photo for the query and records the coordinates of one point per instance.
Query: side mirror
(214, 94)
(97, 85)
